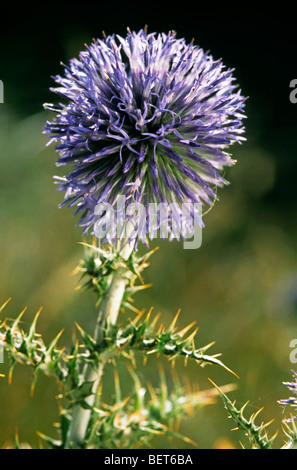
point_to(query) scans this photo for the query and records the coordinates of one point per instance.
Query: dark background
(240, 286)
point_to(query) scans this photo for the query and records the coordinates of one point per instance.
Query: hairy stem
(108, 313)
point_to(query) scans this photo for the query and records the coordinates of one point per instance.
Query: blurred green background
(240, 286)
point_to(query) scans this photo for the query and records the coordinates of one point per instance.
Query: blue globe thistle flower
(147, 117)
(292, 401)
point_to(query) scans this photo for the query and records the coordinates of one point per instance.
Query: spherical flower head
(147, 117)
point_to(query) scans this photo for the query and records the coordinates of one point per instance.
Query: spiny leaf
(257, 434)
(290, 430)
(141, 336)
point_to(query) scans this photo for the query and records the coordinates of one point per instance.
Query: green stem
(107, 316)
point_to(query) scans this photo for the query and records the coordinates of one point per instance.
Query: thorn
(131, 372)
(152, 391)
(152, 351)
(254, 416)
(32, 388)
(274, 435)
(16, 437)
(243, 407)
(225, 389)
(93, 247)
(117, 386)
(175, 378)
(31, 333)
(133, 361)
(144, 286)
(209, 345)
(189, 441)
(134, 322)
(160, 330)
(218, 389)
(268, 424)
(149, 314)
(38, 313)
(55, 341)
(17, 320)
(190, 338)
(78, 327)
(186, 329)
(155, 321)
(172, 359)
(163, 381)
(5, 303)
(171, 327)
(10, 374)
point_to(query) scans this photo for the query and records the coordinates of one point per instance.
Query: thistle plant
(143, 119)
